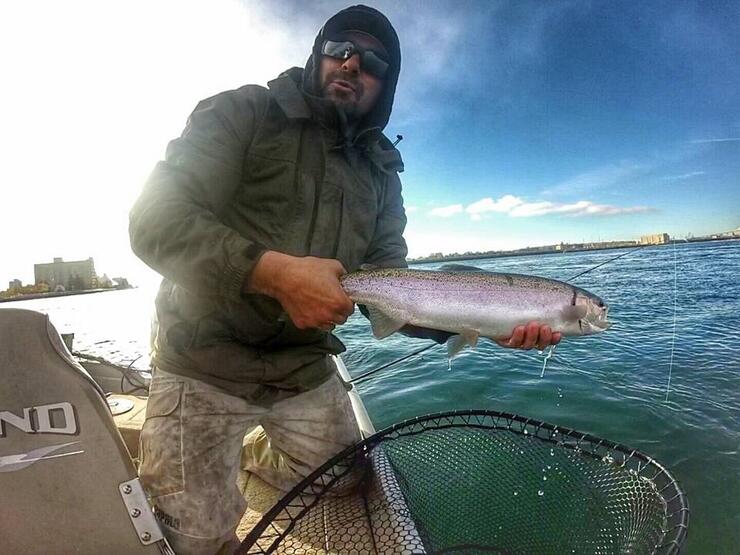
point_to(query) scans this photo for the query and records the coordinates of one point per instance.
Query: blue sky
(524, 123)
(630, 112)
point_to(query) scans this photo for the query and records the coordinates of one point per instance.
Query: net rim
(674, 534)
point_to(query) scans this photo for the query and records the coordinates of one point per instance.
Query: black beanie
(365, 19)
(370, 21)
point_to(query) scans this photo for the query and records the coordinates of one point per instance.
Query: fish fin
(461, 268)
(383, 324)
(574, 312)
(472, 337)
(457, 343)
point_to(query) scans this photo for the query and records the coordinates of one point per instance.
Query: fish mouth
(600, 322)
(591, 314)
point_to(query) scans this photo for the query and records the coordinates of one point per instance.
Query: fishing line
(384, 366)
(675, 308)
(607, 262)
(550, 351)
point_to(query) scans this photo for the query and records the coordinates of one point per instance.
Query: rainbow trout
(472, 303)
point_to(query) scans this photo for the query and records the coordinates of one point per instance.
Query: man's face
(346, 84)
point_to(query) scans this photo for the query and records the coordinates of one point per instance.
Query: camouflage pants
(191, 448)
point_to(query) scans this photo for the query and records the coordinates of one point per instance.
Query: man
(266, 199)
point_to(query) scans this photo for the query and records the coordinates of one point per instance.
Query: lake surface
(612, 385)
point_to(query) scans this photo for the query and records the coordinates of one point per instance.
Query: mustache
(340, 75)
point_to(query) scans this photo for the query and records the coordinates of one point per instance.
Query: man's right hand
(307, 287)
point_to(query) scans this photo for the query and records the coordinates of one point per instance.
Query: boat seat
(67, 482)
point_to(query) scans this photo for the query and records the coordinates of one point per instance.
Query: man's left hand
(531, 335)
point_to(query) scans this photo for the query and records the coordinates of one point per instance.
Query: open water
(612, 385)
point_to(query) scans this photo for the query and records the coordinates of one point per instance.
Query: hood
(371, 21)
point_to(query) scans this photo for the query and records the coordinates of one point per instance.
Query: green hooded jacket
(260, 169)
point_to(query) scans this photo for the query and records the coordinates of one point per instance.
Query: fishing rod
(384, 366)
(607, 262)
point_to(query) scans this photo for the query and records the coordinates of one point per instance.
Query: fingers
(516, 339)
(339, 307)
(331, 313)
(338, 303)
(309, 290)
(545, 338)
(336, 267)
(531, 335)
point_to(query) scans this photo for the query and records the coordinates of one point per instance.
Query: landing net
(479, 482)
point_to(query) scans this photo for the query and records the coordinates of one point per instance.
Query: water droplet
(552, 452)
(544, 477)
(540, 493)
(526, 432)
(516, 493)
(548, 467)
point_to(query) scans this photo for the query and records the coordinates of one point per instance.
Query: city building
(655, 239)
(15, 284)
(121, 283)
(67, 276)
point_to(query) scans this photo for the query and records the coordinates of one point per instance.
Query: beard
(347, 101)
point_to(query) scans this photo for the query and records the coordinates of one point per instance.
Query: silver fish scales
(472, 303)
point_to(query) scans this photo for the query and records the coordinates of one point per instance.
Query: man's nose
(352, 64)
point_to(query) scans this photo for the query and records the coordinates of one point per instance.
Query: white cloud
(681, 177)
(725, 140)
(580, 208)
(504, 204)
(518, 208)
(446, 211)
(411, 209)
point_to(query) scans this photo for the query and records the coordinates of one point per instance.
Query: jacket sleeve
(174, 225)
(388, 247)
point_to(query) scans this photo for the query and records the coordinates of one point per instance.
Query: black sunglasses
(370, 60)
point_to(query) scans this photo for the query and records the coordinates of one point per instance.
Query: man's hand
(531, 335)
(307, 287)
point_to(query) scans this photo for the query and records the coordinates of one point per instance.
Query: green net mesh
(479, 482)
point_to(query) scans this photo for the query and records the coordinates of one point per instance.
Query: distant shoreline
(549, 250)
(54, 294)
